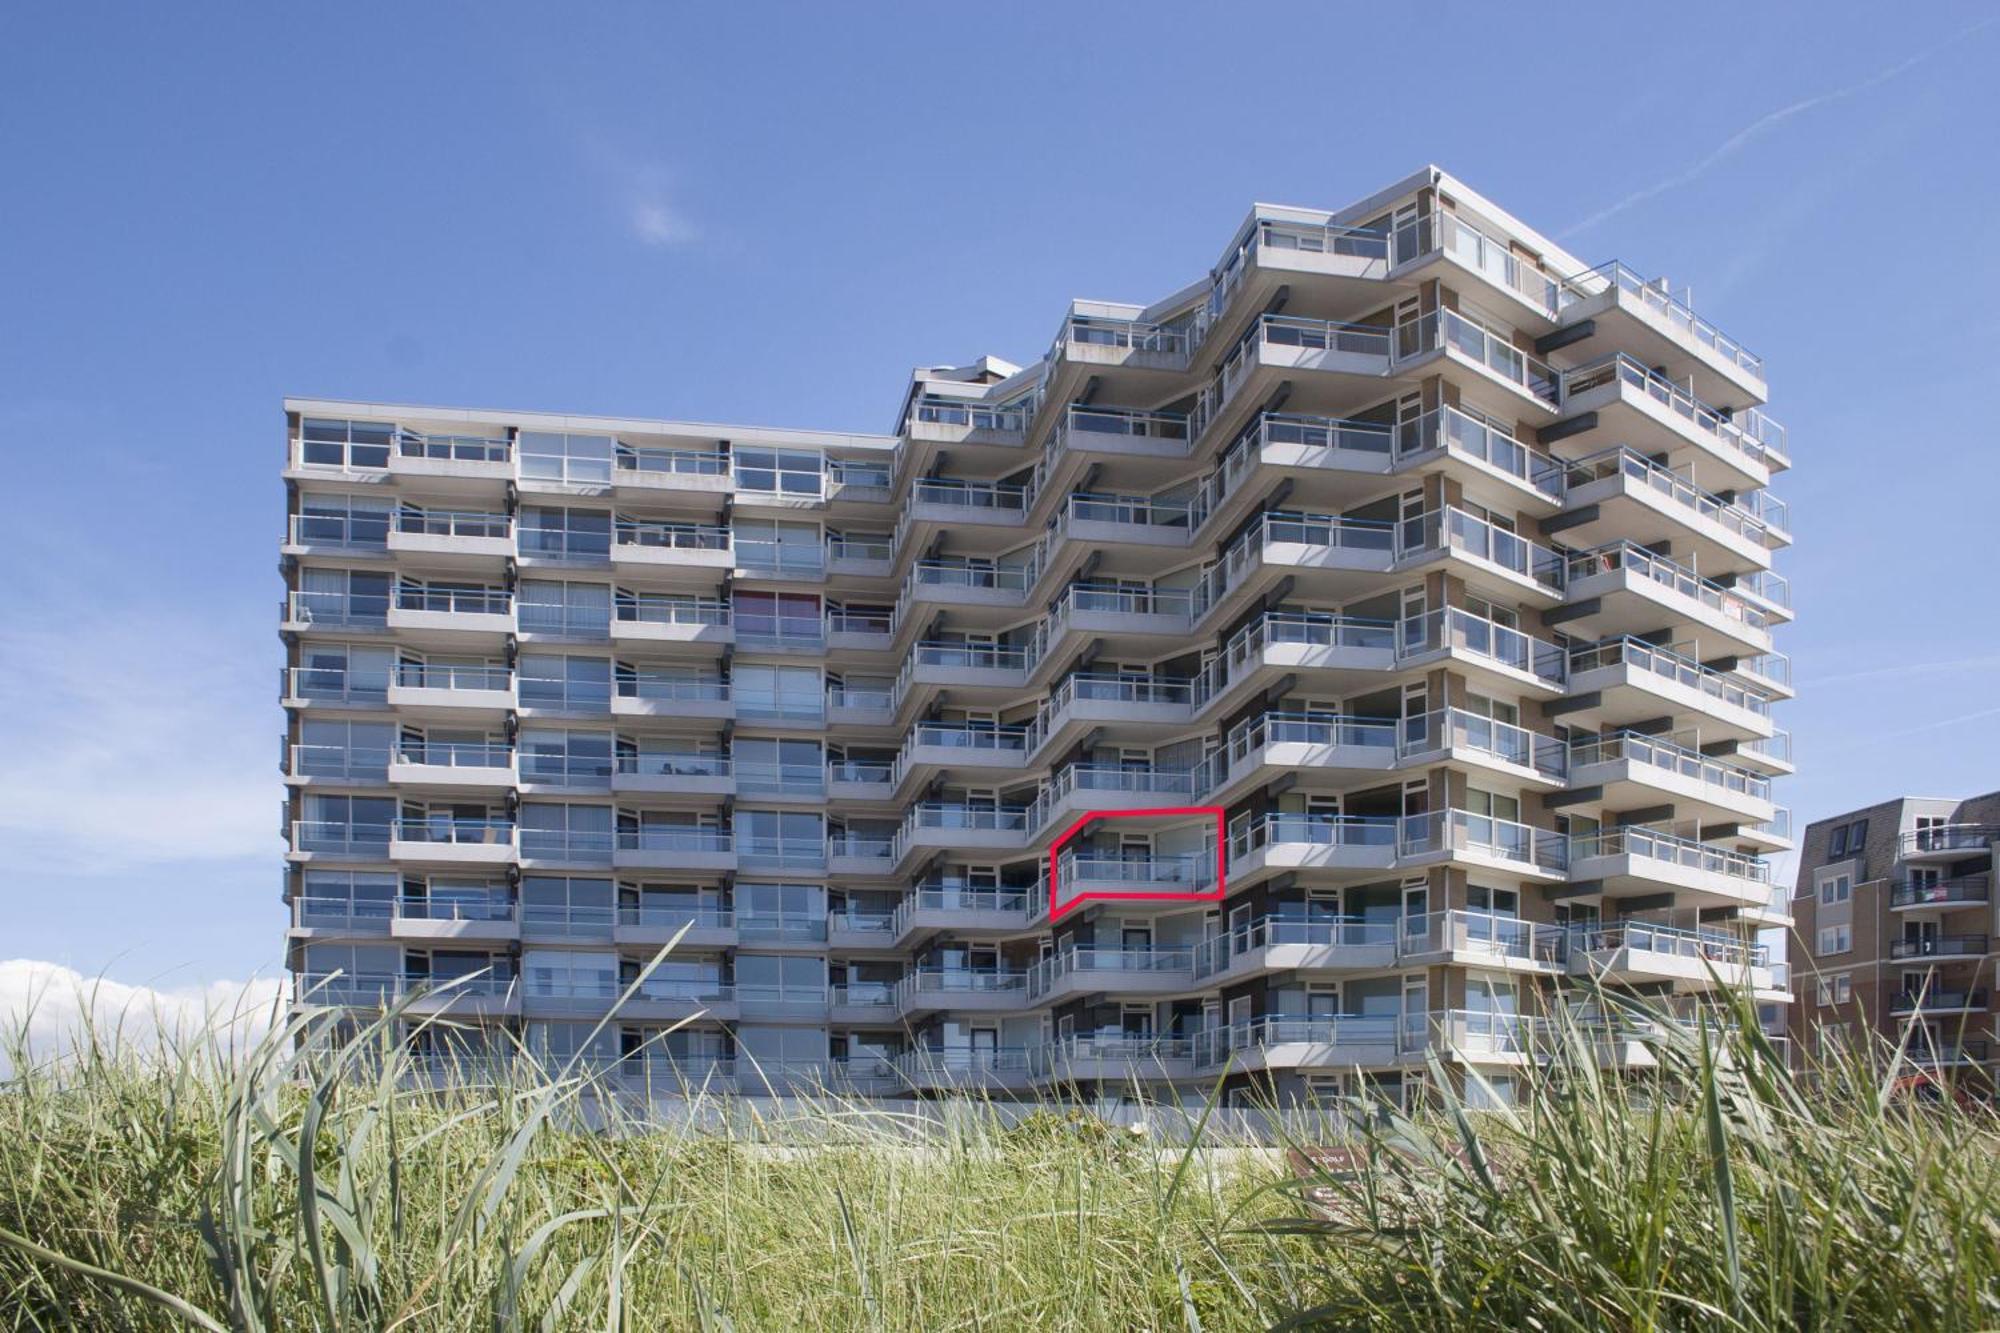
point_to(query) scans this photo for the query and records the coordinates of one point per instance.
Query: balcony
(1482, 646)
(342, 532)
(968, 912)
(664, 618)
(453, 765)
(1625, 589)
(1643, 952)
(1454, 735)
(1350, 649)
(1319, 742)
(705, 927)
(305, 612)
(1279, 1041)
(1619, 491)
(1934, 1000)
(671, 772)
(951, 420)
(466, 459)
(1464, 837)
(963, 990)
(1482, 939)
(657, 999)
(1634, 769)
(1533, 381)
(1489, 258)
(959, 1067)
(1320, 842)
(1092, 518)
(1082, 872)
(492, 918)
(658, 471)
(681, 848)
(1091, 608)
(461, 997)
(1099, 335)
(472, 538)
(967, 583)
(1770, 755)
(1945, 1051)
(948, 501)
(1940, 946)
(441, 839)
(320, 839)
(932, 744)
(859, 556)
(1635, 680)
(454, 616)
(860, 779)
(451, 690)
(661, 693)
(1663, 329)
(1947, 842)
(336, 764)
(871, 1002)
(655, 547)
(328, 916)
(1284, 944)
(777, 853)
(1112, 1057)
(1121, 431)
(1961, 891)
(1640, 861)
(1633, 404)
(303, 687)
(860, 855)
(1089, 971)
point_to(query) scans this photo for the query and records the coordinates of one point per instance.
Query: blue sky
(767, 215)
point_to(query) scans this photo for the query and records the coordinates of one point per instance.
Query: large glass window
(778, 617)
(795, 693)
(781, 838)
(767, 546)
(571, 758)
(555, 904)
(331, 749)
(344, 897)
(342, 671)
(345, 444)
(552, 607)
(578, 684)
(349, 824)
(558, 830)
(565, 534)
(781, 911)
(583, 460)
(778, 471)
(563, 974)
(343, 520)
(766, 765)
(342, 597)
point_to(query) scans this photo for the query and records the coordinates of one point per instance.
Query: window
(579, 684)
(550, 607)
(565, 758)
(778, 471)
(345, 444)
(343, 520)
(566, 534)
(1836, 889)
(767, 546)
(783, 617)
(1835, 939)
(778, 692)
(1836, 989)
(577, 459)
(552, 905)
(1848, 839)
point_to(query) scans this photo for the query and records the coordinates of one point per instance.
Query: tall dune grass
(261, 1190)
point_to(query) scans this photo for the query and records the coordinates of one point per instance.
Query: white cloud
(133, 742)
(646, 194)
(43, 1007)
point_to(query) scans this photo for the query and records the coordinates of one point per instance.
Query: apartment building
(1895, 929)
(1437, 560)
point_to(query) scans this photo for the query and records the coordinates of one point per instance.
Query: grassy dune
(207, 1189)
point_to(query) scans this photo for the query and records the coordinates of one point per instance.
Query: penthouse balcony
(1089, 971)
(1272, 250)
(1940, 946)
(1284, 944)
(1635, 405)
(448, 690)
(1633, 770)
(1947, 842)
(963, 990)
(1946, 894)
(1110, 1057)
(951, 420)
(465, 460)
(1620, 491)
(1639, 862)
(1623, 589)
(1663, 329)
(1685, 960)
(1625, 680)
(452, 764)
(660, 473)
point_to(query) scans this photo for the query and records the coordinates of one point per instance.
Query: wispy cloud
(646, 195)
(1769, 121)
(46, 1008)
(1945, 666)
(1872, 740)
(130, 744)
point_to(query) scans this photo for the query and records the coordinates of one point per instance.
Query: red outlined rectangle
(1059, 907)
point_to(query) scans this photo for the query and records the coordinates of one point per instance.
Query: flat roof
(603, 425)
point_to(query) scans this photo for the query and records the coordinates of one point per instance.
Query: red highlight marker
(1059, 907)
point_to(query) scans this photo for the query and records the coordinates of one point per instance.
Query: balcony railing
(448, 830)
(363, 763)
(1656, 297)
(1221, 952)
(1463, 631)
(632, 532)
(666, 609)
(457, 601)
(444, 676)
(1950, 838)
(1637, 748)
(1628, 462)
(1668, 665)
(452, 448)
(701, 840)
(1939, 946)
(1931, 1000)
(1941, 892)
(1671, 849)
(456, 754)
(1706, 946)
(1465, 831)
(1451, 330)
(970, 494)
(338, 838)
(1745, 433)
(338, 610)
(1630, 556)
(672, 462)
(1009, 417)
